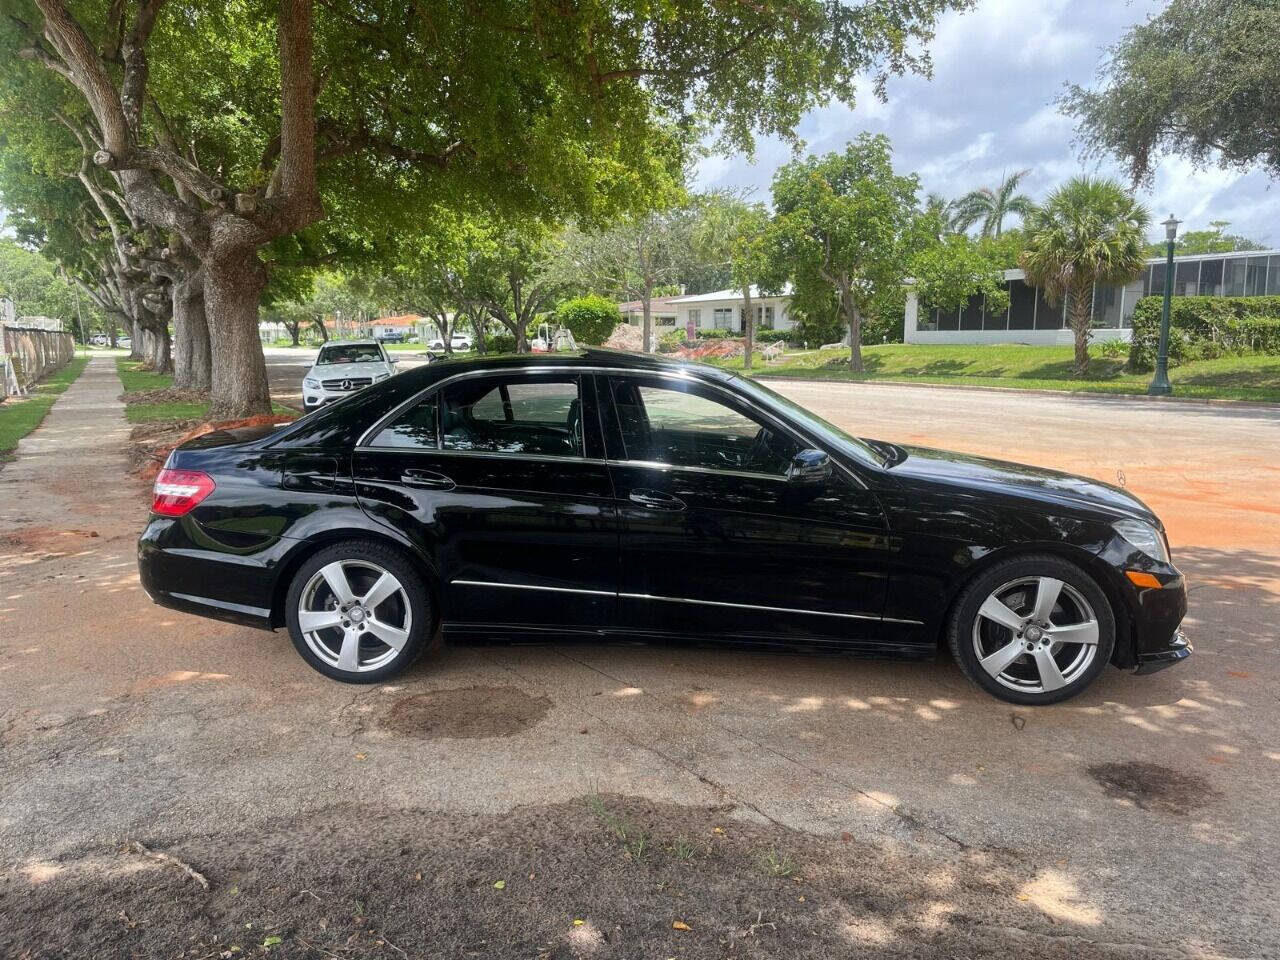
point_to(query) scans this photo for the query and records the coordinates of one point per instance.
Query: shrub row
(1201, 328)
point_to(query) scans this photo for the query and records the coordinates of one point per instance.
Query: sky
(989, 110)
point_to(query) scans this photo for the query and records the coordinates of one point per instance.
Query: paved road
(119, 719)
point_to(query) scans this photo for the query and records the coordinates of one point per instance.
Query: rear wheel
(359, 612)
(1033, 630)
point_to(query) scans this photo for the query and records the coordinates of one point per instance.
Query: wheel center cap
(357, 614)
(1033, 633)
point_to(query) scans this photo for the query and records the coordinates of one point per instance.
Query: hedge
(591, 319)
(1201, 328)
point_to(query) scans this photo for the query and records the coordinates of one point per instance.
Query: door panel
(518, 539)
(736, 552)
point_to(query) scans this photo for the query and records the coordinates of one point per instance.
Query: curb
(1268, 405)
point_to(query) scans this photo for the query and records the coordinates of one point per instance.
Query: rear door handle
(656, 500)
(426, 478)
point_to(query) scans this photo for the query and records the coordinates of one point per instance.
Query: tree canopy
(1200, 80)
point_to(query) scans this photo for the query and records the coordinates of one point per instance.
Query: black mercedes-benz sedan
(619, 496)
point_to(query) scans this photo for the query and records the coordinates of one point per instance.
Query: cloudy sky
(989, 109)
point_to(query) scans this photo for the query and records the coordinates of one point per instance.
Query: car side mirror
(809, 468)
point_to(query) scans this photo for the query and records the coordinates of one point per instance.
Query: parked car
(613, 495)
(343, 367)
(460, 342)
(391, 336)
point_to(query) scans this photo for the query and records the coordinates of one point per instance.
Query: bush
(590, 319)
(500, 343)
(671, 341)
(1201, 328)
(773, 336)
(716, 333)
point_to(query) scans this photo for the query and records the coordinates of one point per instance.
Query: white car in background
(342, 368)
(460, 342)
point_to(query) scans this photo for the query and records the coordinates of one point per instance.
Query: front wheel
(359, 612)
(1032, 630)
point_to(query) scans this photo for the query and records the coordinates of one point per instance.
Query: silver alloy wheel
(355, 615)
(1035, 634)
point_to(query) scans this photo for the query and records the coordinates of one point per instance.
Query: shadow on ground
(603, 876)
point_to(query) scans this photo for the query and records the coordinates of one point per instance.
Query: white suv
(344, 367)
(460, 342)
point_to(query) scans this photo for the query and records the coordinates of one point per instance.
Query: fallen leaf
(271, 941)
(362, 756)
(1017, 721)
(800, 899)
(417, 876)
(499, 884)
(717, 829)
(578, 923)
(680, 925)
(1023, 896)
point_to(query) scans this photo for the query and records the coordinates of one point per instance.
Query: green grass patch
(140, 409)
(20, 415)
(1254, 377)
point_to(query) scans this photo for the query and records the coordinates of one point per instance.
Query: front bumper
(1179, 649)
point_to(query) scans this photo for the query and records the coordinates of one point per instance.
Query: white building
(718, 310)
(1030, 319)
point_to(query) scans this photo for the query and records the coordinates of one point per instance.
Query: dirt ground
(775, 805)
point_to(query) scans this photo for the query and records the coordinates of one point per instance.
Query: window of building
(722, 318)
(1022, 305)
(1272, 281)
(1106, 306)
(997, 320)
(1132, 294)
(948, 319)
(695, 317)
(1048, 315)
(1211, 278)
(1233, 276)
(1186, 278)
(926, 318)
(1155, 286)
(500, 415)
(971, 314)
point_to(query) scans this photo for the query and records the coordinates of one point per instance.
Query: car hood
(1017, 479)
(345, 371)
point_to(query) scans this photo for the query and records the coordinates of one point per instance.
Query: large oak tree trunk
(648, 321)
(1080, 317)
(748, 328)
(233, 283)
(135, 340)
(853, 317)
(192, 361)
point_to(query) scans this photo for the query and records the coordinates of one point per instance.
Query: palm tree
(936, 205)
(1090, 231)
(992, 206)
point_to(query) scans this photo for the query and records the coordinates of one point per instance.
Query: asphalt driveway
(1137, 820)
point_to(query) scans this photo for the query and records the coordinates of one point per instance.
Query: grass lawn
(136, 381)
(20, 415)
(1254, 377)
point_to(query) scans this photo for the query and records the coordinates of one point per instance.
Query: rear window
(349, 353)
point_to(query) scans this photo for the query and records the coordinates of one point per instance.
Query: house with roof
(717, 310)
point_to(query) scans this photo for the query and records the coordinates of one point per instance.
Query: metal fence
(30, 351)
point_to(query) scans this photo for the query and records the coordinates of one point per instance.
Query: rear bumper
(1179, 649)
(178, 574)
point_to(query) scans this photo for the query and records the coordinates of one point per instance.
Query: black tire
(961, 627)
(422, 633)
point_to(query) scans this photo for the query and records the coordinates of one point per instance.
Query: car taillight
(178, 491)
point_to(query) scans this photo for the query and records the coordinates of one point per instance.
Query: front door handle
(426, 478)
(656, 500)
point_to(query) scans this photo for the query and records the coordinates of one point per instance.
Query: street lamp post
(1160, 385)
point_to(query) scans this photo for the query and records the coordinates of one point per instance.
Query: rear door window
(536, 416)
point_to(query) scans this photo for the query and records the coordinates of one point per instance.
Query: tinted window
(416, 427)
(1022, 305)
(495, 415)
(349, 353)
(687, 429)
(1048, 315)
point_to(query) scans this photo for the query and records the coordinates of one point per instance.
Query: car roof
(589, 357)
(350, 343)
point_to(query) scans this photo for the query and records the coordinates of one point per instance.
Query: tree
(590, 319)
(637, 257)
(941, 213)
(1200, 80)
(1213, 240)
(947, 274)
(1089, 231)
(519, 273)
(991, 205)
(235, 139)
(846, 222)
(32, 283)
(736, 232)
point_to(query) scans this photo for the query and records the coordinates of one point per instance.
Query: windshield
(825, 431)
(349, 353)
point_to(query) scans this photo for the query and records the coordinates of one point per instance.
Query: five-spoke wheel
(358, 612)
(1033, 630)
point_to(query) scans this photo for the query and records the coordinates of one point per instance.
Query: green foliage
(500, 343)
(847, 226)
(948, 273)
(1201, 80)
(29, 280)
(990, 205)
(590, 319)
(1213, 240)
(1203, 328)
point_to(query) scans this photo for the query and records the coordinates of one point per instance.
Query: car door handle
(426, 478)
(656, 500)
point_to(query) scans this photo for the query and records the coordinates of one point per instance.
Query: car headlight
(311, 382)
(380, 376)
(1144, 537)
